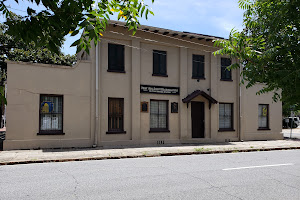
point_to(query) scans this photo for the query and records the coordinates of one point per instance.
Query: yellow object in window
(45, 108)
(265, 112)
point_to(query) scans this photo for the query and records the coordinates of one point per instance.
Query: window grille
(225, 116)
(51, 114)
(115, 114)
(158, 115)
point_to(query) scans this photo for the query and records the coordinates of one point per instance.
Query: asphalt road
(254, 175)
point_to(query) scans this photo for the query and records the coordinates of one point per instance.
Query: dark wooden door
(197, 119)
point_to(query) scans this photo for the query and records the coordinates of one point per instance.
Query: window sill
(263, 129)
(159, 131)
(50, 133)
(116, 132)
(161, 75)
(226, 130)
(202, 78)
(226, 80)
(116, 71)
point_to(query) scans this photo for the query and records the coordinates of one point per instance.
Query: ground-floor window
(225, 116)
(51, 114)
(159, 115)
(263, 116)
(115, 115)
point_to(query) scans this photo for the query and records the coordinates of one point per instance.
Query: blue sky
(211, 17)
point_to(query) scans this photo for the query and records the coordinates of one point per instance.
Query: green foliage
(17, 50)
(287, 108)
(268, 47)
(41, 55)
(61, 17)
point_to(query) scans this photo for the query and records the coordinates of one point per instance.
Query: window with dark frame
(159, 63)
(225, 73)
(263, 116)
(115, 58)
(225, 116)
(51, 114)
(159, 116)
(198, 66)
(115, 115)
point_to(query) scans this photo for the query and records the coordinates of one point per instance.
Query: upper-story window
(225, 73)
(116, 58)
(198, 67)
(159, 63)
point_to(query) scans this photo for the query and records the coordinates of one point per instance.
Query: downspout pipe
(97, 91)
(240, 105)
(96, 98)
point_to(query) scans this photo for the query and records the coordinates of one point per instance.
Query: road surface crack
(75, 180)
(281, 182)
(211, 185)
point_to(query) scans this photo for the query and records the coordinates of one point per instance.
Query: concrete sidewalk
(64, 155)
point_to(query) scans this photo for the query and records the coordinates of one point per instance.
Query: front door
(197, 119)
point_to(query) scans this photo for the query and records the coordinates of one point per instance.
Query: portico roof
(196, 93)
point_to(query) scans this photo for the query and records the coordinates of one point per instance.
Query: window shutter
(116, 57)
(120, 58)
(198, 66)
(163, 63)
(155, 62)
(225, 73)
(159, 62)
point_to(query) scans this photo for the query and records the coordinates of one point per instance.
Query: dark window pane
(159, 62)
(116, 57)
(225, 73)
(155, 63)
(198, 66)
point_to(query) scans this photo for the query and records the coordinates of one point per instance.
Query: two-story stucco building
(159, 86)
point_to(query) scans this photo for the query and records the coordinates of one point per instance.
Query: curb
(143, 156)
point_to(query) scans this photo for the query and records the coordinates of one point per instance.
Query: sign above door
(159, 89)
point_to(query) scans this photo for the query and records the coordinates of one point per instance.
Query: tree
(268, 47)
(16, 50)
(48, 27)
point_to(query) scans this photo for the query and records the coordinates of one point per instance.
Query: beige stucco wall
(26, 82)
(77, 84)
(250, 102)
(114, 85)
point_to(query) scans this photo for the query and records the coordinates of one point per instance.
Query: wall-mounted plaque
(174, 107)
(144, 106)
(159, 89)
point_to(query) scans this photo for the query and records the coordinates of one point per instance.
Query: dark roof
(173, 33)
(196, 93)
